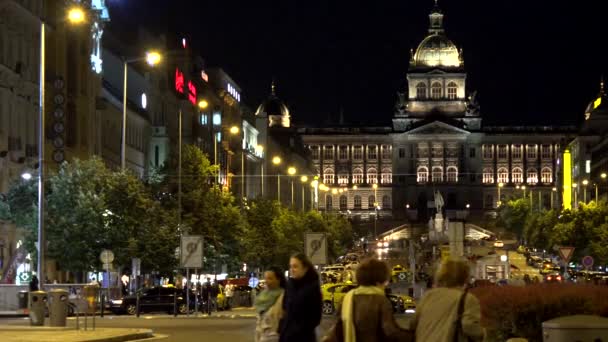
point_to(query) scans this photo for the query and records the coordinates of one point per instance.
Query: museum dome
(599, 105)
(275, 108)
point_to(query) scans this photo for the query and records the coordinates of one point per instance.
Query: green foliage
(513, 215)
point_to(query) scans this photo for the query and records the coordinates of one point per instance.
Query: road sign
(106, 256)
(588, 261)
(24, 277)
(566, 253)
(191, 248)
(253, 282)
(316, 248)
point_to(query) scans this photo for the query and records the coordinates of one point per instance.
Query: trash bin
(580, 328)
(91, 295)
(37, 307)
(58, 307)
(22, 299)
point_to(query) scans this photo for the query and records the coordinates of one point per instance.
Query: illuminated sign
(184, 43)
(204, 76)
(217, 119)
(232, 91)
(588, 166)
(567, 180)
(179, 81)
(191, 93)
(180, 86)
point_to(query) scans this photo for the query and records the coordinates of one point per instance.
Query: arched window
(422, 174)
(343, 202)
(358, 176)
(488, 176)
(386, 202)
(503, 175)
(452, 174)
(437, 174)
(517, 175)
(436, 90)
(342, 178)
(452, 91)
(546, 176)
(328, 176)
(371, 201)
(357, 202)
(328, 202)
(421, 91)
(532, 176)
(372, 176)
(387, 176)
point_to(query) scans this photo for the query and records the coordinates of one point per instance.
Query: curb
(144, 317)
(128, 337)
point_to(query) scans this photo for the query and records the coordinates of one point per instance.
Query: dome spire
(602, 85)
(273, 87)
(436, 18)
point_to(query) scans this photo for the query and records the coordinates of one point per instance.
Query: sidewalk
(60, 334)
(241, 312)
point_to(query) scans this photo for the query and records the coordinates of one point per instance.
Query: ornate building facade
(436, 142)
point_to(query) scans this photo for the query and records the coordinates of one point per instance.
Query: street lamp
(75, 16)
(315, 196)
(523, 188)
(585, 183)
(355, 187)
(303, 179)
(291, 171)
(575, 186)
(603, 175)
(553, 192)
(259, 149)
(26, 176)
(203, 104)
(234, 130)
(500, 185)
(276, 160)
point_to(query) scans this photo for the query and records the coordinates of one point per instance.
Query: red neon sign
(191, 93)
(179, 81)
(181, 89)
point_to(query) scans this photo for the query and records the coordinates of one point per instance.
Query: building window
(502, 152)
(156, 156)
(328, 202)
(387, 176)
(315, 152)
(372, 176)
(328, 152)
(328, 176)
(204, 119)
(516, 153)
(488, 176)
(421, 91)
(437, 174)
(386, 202)
(452, 174)
(452, 90)
(358, 152)
(436, 90)
(342, 179)
(422, 175)
(472, 152)
(343, 152)
(545, 151)
(401, 152)
(532, 176)
(372, 152)
(357, 176)
(546, 176)
(488, 152)
(343, 203)
(371, 202)
(503, 175)
(358, 202)
(386, 152)
(517, 175)
(531, 150)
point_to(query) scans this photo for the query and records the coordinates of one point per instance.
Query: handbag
(458, 332)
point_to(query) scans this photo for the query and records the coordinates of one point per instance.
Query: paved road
(519, 260)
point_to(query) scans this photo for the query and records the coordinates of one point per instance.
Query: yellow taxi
(333, 295)
(399, 273)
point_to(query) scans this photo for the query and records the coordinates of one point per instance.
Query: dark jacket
(302, 309)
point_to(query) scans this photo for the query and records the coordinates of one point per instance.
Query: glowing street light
(202, 104)
(234, 130)
(291, 170)
(153, 58)
(26, 176)
(355, 187)
(76, 15)
(304, 179)
(276, 160)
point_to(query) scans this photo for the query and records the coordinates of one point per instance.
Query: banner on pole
(191, 248)
(316, 248)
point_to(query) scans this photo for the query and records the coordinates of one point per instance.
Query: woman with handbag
(268, 306)
(448, 313)
(366, 314)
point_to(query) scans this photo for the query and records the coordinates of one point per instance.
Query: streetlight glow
(585, 182)
(291, 170)
(276, 160)
(500, 185)
(375, 186)
(603, 175)
(76, 15)
(334, 191)
(153, 58)
(354, 187)
(234, 130)
(26, 176)
(202, 104)
(304, 179)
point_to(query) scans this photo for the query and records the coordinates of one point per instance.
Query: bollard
(37, 307)
(137, 304)
(23, 298)
(174, 303)
(58, 307)
(103, 304)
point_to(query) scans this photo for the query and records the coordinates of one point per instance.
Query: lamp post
(75, 16)
(585, 183)
(500, 185)
(303, 179)
(234, 130)
(259, 150)
(603, 176)
(291, 171)
(523, 188)
(553, 192)
(314, 198)
(277, 161)
(375, 187)
(575, 186)
(152, 58)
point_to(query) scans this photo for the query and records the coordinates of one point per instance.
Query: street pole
(585, 194)
(303, 199)
(596, 194)
(215, 156)
(279, 188)
(123, 143)
(539, 201)
(499, 195)
(262, 175)
(179, 172)
(292, 201)
(41, 146)
(552, 199)
(242, 174)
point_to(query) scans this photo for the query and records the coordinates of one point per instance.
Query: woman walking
(448, 312)
(302, 302)
(268, 306)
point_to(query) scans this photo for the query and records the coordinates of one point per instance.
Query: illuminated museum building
(436, 142)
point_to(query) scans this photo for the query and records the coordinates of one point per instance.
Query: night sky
(532, 61)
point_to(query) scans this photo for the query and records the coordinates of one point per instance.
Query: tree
(259, 240)
(513, 215)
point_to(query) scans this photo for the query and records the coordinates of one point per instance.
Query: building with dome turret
(437, 141)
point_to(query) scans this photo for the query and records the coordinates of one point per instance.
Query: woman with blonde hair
(448, 313)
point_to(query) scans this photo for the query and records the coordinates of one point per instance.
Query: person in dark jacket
(34, 284)
(301, 302)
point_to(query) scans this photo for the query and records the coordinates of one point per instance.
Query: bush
(509, 311)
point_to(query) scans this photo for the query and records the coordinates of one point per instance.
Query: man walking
(206, 296)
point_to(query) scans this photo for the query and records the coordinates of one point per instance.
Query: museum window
(545, 151)
(343, 152)
(358, 202)
(436, 90)
(386, 202)
(452, 90)
(531, 150)
(502, 152)
(386, 152)
(372, 152)
(343, 203)
(488, 152)
(357, 176)
(421, 91)
(546, 176)
(315, 152)
(372, 176)
(328, 176)
(452, 174)
(371, 202)
(387, 176)
(358, 152)
(517, 175)
(487, 176)
(422, 175)
(342, 178)
(401, 152)
(517, 152)
(532, 176)
(328, 152)
(437, 174)
(503, 175)
(328, 202)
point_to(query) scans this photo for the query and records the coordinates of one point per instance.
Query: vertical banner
(316, 248)
(191, 248)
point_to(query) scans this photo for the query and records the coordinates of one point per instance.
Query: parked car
(550, 270)
(401, 303)
(333, 294)
(399, 273)
(153, 299)
(553, 278)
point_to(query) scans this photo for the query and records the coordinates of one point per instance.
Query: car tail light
(559, 278)
(549, 278)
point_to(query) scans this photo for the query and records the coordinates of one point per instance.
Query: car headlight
(408, 300)
(116, 301)
(400, 301)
